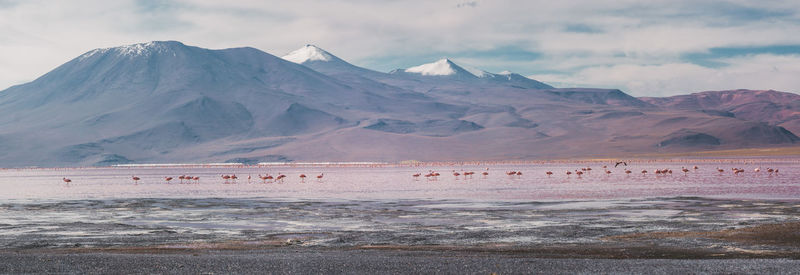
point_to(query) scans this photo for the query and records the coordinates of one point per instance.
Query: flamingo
(695, 167)
(519, 174)
(135, 179)
(628, 171)
(456, 174)
(644, 172)
(608, 172)
(226, 178)
(66, 180)
(416, 176)
(579, 173)
(758, 169)
(569, 173)
(319, 177)
(196, 179)
(168, 179)
(182, 177)
(549, 173)
(234, 178)
(269, 177)
(302, 177)
(720, 170)
(485, 173)
(684, 170)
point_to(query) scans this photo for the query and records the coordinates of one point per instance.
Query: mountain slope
(772, 107)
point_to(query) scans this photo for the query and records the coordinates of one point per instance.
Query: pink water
(353, 206)
(397, 183)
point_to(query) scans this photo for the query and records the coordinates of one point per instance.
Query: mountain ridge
(164, 101)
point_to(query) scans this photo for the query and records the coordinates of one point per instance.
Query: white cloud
(749, 72)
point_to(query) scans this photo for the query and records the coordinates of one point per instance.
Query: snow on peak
(445, 66)
(147, 48)
(475, 71)
(441, 67)
(308, 53)
(506, 72)
(134, 50)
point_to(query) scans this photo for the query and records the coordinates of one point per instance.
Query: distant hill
(772, 107)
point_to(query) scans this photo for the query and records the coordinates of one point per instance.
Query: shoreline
(771, 241)
(734, 156)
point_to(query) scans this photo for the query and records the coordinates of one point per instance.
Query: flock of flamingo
(665, 171)
(433, 175)
(227, 179)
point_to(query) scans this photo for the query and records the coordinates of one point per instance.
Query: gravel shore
(358, 261)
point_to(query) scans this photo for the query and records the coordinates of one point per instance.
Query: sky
(645, 48)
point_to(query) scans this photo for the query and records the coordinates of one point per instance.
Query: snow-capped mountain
(149, 101)
(310, 53)
(322, 61)
(164, 101)
(446, 68)
(441, 67)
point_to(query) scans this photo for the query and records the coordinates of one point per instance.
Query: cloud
(470, 4)
(564, 39)
(764, 71)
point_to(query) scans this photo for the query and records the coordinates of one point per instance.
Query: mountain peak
(138, 49)
(441, 67)
(308, 53)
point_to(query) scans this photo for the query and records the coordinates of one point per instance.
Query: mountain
(154, 101)
(772, 107)
(322, 61)
(166, 102)
(440, 68)
(449, 70)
